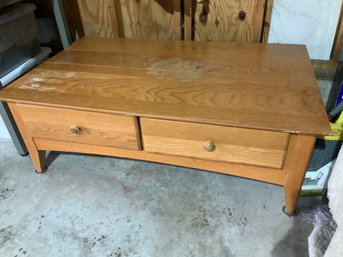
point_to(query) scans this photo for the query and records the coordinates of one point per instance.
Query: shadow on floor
(51, 157)
(295, 242)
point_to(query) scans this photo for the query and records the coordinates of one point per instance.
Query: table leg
(37, 156)
(39, 161)
(298, 157)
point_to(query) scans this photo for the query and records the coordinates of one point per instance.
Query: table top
(260, 86)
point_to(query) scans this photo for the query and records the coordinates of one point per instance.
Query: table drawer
(80, 126)
(228, 144)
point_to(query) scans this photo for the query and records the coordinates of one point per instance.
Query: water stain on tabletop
(40, 83)
(177, 68)
(37, 87)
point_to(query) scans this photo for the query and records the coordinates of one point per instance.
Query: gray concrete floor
(98, 206)
(324, 87)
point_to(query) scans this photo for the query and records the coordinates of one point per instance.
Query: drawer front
(227, 144)
(80, 126)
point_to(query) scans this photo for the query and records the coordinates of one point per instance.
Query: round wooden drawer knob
(75, 130)
(209, 146)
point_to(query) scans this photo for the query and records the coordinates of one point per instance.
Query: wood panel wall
(147, 19)
(215, 20)
(99, 18)
(234, 20)
(203, 20)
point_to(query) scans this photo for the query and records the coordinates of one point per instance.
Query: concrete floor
(324, 87)
(99, 206)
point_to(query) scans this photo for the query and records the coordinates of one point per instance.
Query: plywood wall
(98, 18)
(146, 19)
(234, 20)
(202, 20)
(213, 20)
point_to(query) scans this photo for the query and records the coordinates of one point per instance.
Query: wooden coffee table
(248, 110)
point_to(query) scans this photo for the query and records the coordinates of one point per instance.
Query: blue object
(340, 95)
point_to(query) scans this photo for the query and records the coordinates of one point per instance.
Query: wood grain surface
(95, 128)
(269, 87)
(236, 145)
(98, 18)
(234, 20)
(144, 19)
(149, 19)
(298, 157)
(37, 155)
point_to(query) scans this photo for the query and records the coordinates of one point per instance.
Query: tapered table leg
(296, 165)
